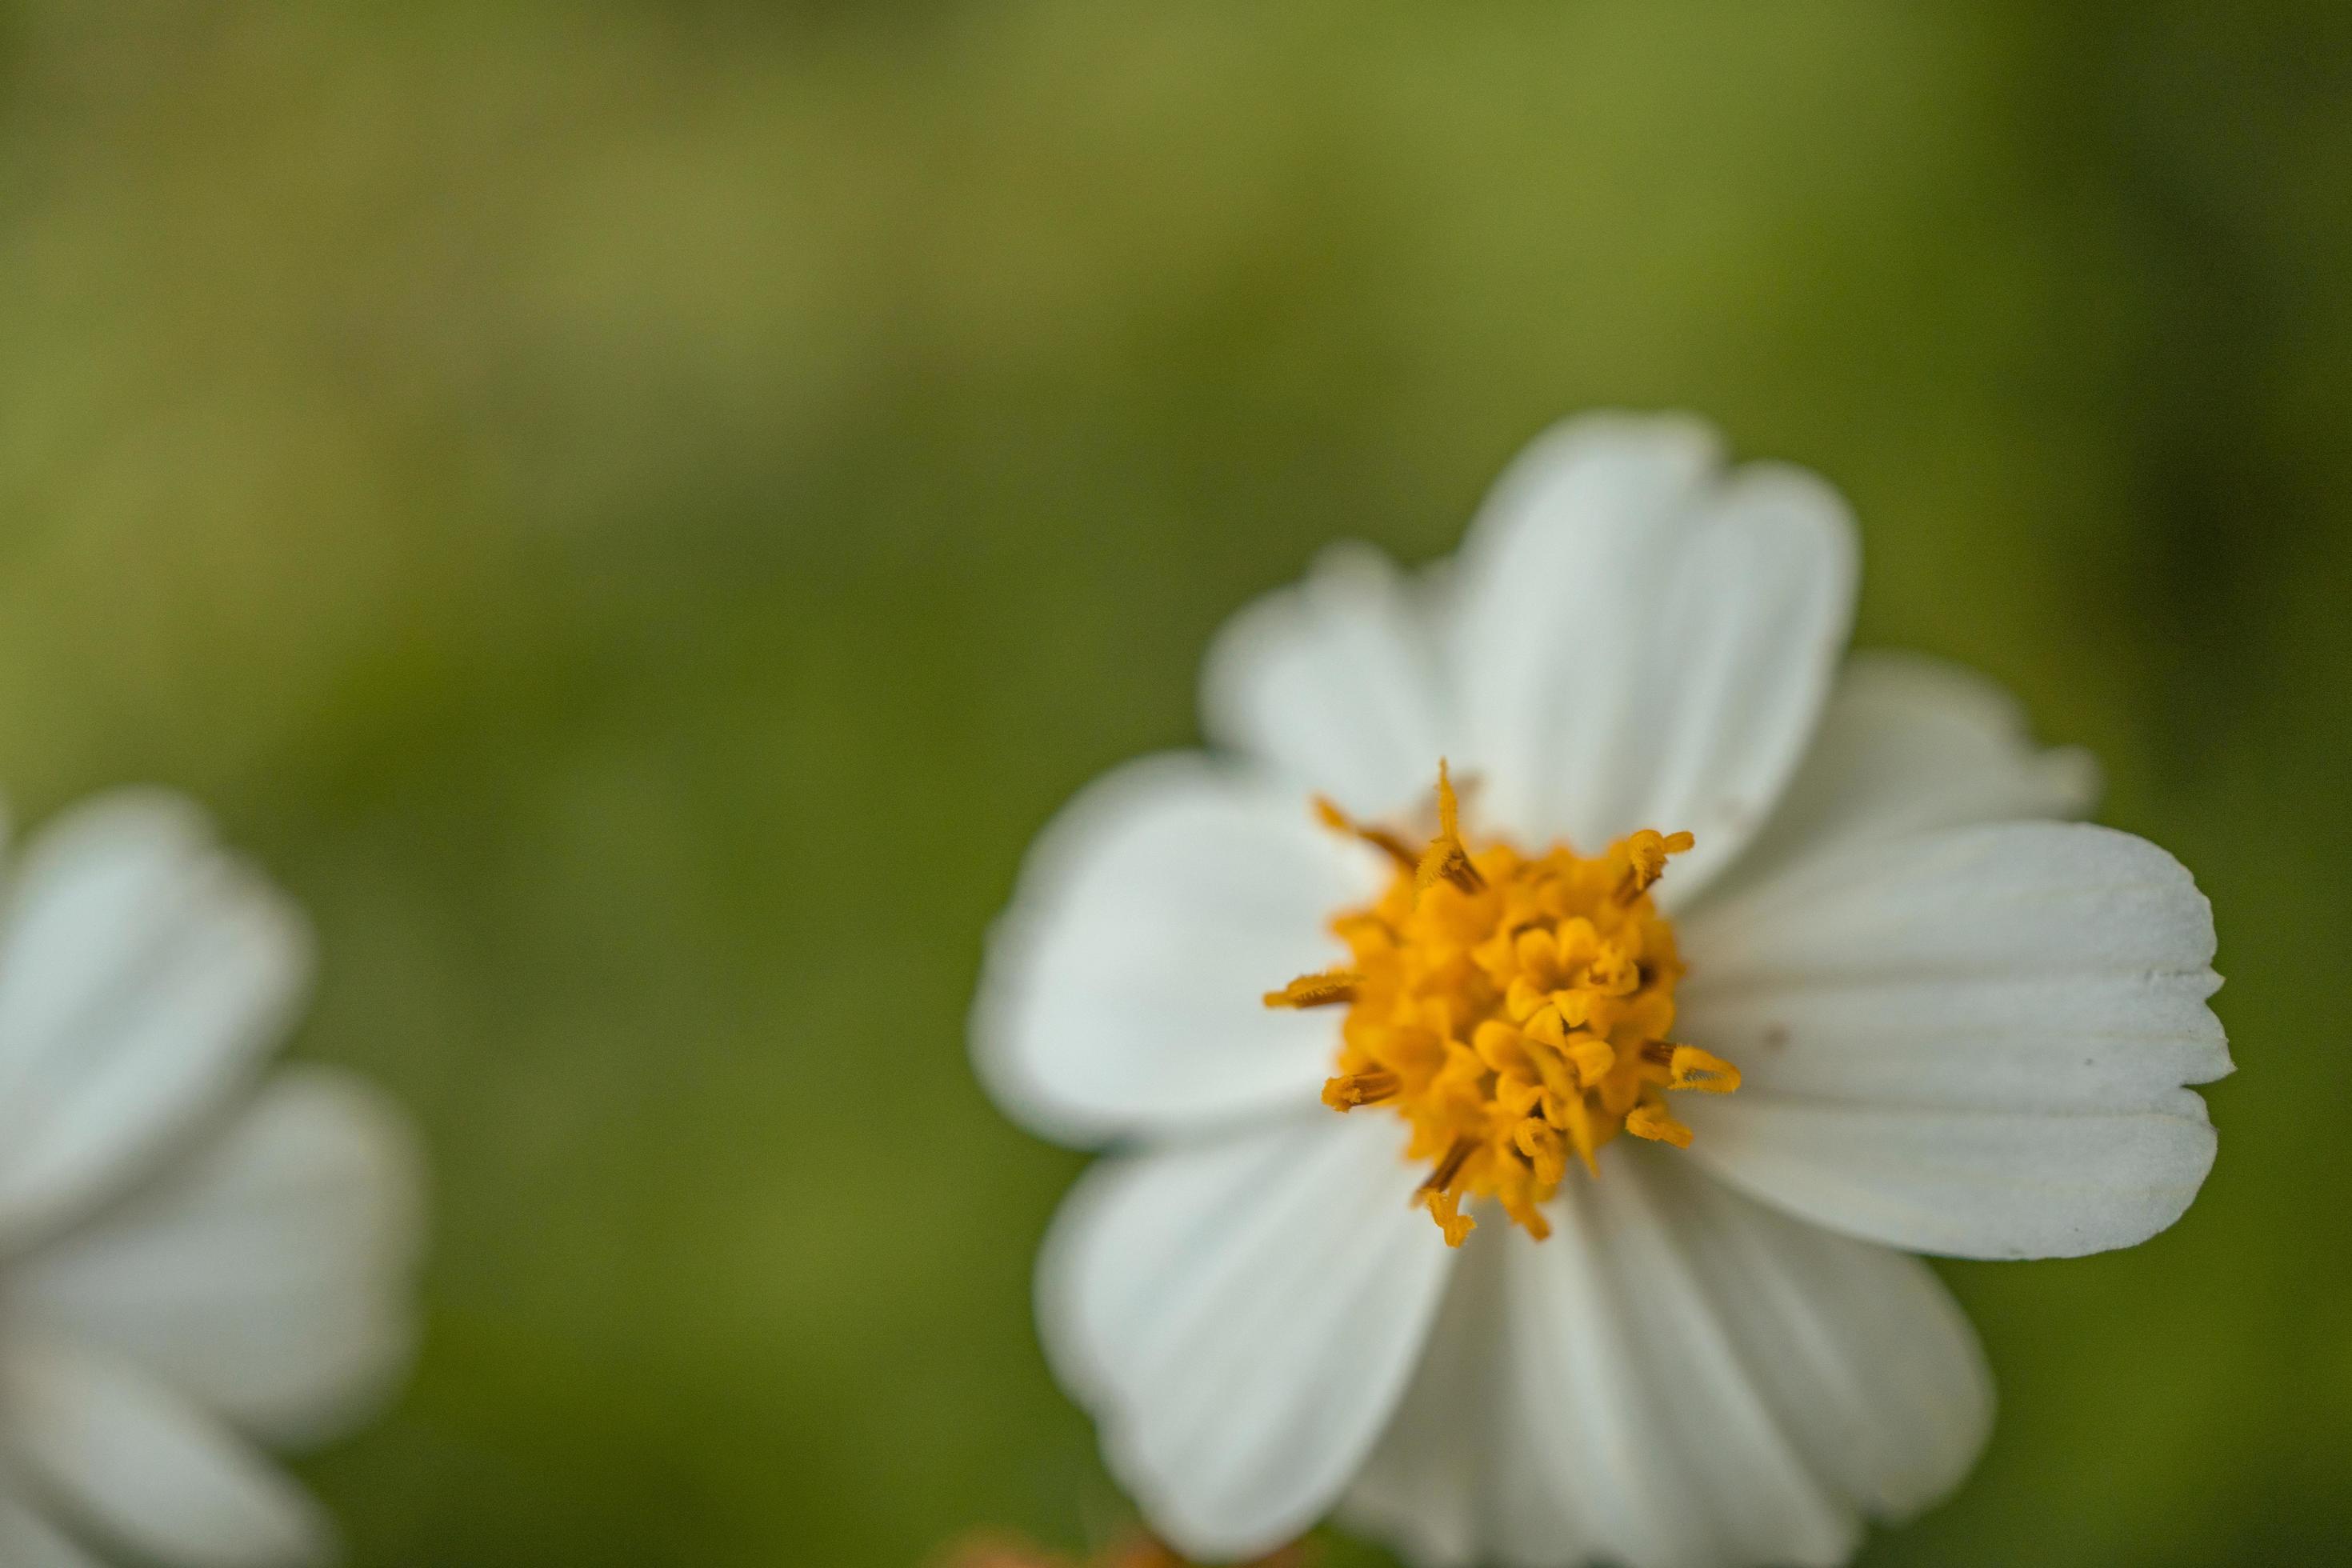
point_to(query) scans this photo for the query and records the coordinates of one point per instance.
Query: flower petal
(1971, 1042)
(1337, 683)
(1241, 1316)
(1645, 641)
(144, 972)
(1122, 990)
(147, 1470)
(29, 1541)
(1910, 744)
(270, 1280)
(1678, 1376)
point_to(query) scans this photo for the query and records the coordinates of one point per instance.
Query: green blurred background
(637, 513)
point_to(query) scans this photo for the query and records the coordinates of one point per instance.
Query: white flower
(1954, 1025)
(194, 1259)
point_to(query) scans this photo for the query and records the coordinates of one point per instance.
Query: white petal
(270, 1280)
(1337, 683)
(1910, 744)
(144, 972)
(1645, 641)
(1633, 1433)
(1867, 1363)
(147, 1471)
(29, 1541)
(1475, 1465)
(1971, 1042)
(1240, 1317)
(1678, 1377)
(1122, 990)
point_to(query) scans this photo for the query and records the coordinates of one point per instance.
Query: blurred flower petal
(29, 1541)
(270, 1278)
(1338, 683)
(146, 1468)
(179, 1275)
(143, 974)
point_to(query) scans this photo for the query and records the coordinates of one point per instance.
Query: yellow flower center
(1512, 1009)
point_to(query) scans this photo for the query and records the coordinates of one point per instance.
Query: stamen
(1449, 862)
(1541, 1145)
(1442, 1179)
(1527, 1019)
(1326, 990)
(1645, 861)
(1576, 1120)
(1594, 1057)
(1446, 857)
(1349, 1091)
(1447, 1210)
(1701, 1070)
(1650, 1119)
(1327, 812)
(1437, 1194)
(1449, 804)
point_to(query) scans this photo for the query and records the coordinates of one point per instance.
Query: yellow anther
(1447, 1210)
(1526, 1001)
(1703, 1070)
(1537, 951)
(1449, 804)
(1446, 859)
(1327, 812)
(1449, 862)
(1545, 1153)
(1594, 1057)
(1583, 1134)
(1525, 1014)
(1650, 1119)
(1500, 1046)
(1326, 990)
(1517, 1096)
(1614, 972)
(1645, 856)
(1351, 1090)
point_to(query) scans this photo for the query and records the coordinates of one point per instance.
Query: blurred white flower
(1953, 1026)
(196, 1260)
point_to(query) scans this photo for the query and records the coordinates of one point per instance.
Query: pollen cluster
(1516, 1010)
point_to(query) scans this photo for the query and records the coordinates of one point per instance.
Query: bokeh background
(637, 513)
